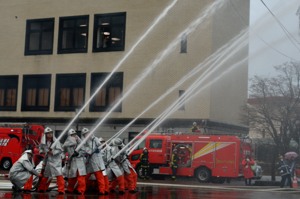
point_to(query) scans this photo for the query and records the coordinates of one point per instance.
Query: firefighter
(174, 163)
(285, 173)
(94, 162)
(105, 153)
(21, 172)
(76, 171)
(129, 173)
(114, 167)
(52, 166)
(195, 128)
(144, 160)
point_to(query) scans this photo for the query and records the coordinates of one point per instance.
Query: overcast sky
(269, 44)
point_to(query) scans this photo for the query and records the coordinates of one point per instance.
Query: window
(155, 144)
(109, 32)
(73, 34)
(182, 107)
(39, 36)
(183, 44)
(36, 92)
(69, 93)
(109, 92)
(8, 93)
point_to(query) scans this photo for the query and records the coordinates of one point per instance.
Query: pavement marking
(236, 188)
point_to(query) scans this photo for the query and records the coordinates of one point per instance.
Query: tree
(274, 106)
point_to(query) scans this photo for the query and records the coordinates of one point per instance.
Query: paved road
(156, 189)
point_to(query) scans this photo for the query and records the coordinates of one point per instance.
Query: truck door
(225, 159)
(156, 151)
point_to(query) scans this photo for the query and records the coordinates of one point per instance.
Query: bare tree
(274, 106)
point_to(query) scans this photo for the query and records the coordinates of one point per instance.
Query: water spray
(211, 9)
(157, 20)
(233, 48)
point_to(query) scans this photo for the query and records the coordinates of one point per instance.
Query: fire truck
(209, 158)
(15, 138)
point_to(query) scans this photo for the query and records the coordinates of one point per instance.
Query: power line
(288, 34)
(266, 43)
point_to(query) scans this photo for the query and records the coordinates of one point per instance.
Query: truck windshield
(141, 145)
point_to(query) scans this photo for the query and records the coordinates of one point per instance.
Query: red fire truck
(209, 158)
(15, 138)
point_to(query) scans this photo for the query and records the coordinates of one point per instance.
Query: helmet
(28, 151)
(117, 142)
(101, 139)
(144, 149)
(71, 132)
(84, 131)
(194, 123)
(48, 130)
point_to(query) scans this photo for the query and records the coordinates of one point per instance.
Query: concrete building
(55, 54)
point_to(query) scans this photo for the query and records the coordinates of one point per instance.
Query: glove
(75, 154)
(97, 151)
(104, 173)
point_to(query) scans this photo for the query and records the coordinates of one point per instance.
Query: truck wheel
(203, 174)
(6, 164)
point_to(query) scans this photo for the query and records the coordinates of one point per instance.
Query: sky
(270, 45)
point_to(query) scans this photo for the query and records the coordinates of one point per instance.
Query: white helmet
(101, 139)
(71, 132)
(28, 151)
(84, 131)
(117, 142)
(48, 130)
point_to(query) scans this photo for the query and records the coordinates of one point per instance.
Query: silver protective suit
(21, 171)
(74, 163)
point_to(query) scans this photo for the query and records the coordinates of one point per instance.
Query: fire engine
(209, 158)
(15, 138)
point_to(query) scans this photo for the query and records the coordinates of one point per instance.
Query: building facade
(56, 54)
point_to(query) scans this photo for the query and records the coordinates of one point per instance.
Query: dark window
(39, 36)
(36, 92)
(156, 144)
(182, 107)
(8, 93)
(70, 91)
(73, 34)
(183, 46)
(109, 32)
(108, 94)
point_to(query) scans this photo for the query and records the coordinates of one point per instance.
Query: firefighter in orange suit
(76, 170)
(114, 169)
(52, 163)
(130, 174)
(94, 162)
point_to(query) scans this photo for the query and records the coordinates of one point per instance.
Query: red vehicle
(207, 157)
(15, 138)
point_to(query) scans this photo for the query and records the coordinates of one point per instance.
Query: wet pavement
(165, 189)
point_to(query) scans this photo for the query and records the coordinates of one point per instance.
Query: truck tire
(203, 174)
(6, 164)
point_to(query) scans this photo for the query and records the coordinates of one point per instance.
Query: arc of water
(210, 61)
(208, 11)
(157, 20)
(191, 92)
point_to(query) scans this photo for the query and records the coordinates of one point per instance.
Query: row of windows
(108, 34)
(69, 92)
